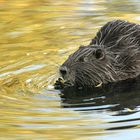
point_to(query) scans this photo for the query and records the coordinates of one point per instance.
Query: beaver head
(112, 55)
(88, 66)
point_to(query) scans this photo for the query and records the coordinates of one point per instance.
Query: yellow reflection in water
(36, 36)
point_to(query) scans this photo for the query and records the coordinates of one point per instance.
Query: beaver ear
(99, 54)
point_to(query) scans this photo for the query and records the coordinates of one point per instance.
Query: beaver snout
(63, 71)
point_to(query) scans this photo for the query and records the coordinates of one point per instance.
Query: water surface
(36, 36)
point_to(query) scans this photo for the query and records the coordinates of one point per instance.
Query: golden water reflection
(36, 36)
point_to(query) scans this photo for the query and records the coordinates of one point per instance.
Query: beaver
(112, 55)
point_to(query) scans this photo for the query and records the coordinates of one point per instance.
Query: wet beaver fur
(112, 56)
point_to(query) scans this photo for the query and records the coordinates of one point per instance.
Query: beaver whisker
(99, 75)
(81, 78)
(79, 81)
(102, 69)
(93, 76)
(112, 69)
(86, 52)
(82, 50)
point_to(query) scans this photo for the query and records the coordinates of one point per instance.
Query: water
(36, 36)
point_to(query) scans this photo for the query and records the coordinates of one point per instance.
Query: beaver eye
(83, 59)
(99, 54)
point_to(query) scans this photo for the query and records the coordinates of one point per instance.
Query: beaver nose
(63, 70)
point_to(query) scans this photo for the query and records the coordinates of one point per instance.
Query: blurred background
(36, 36)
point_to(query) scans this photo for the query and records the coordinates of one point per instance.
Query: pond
(36, 37)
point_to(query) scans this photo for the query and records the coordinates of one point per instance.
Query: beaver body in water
(112, 56)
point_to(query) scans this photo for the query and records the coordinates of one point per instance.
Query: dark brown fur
(113, 55)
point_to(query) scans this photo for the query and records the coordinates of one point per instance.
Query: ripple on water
(36, 37)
